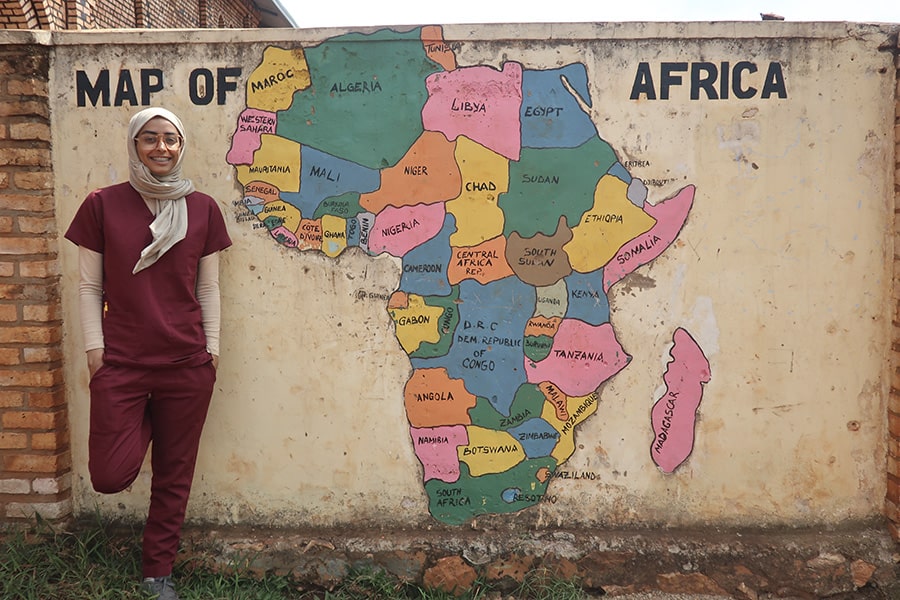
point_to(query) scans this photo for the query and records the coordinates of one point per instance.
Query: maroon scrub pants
(129, 408)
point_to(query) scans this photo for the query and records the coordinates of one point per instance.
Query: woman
(149, 298)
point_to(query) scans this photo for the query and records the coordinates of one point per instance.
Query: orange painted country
(309, 234)
(434, 399)
(436, 48)
(557, 399)
(266, 192)
(398, 299)
(484, 263)
(427, 174)
(542, 326)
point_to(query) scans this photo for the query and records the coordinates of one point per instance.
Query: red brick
(25, 245)
(42, 355)
(56, 440)
(39, 268)
(30, 377)
(894, 446)
(30, 334)
(891, 511)
(42, 201)
(894, 424)
(33, 180)
(893, 466)
(10, 356)
(26, 108)
(47, 399)
(893, 489)
(6, 224)
(33, 420)
(7, 67)
(42, 313)
(11, 441)
(25, 157)
(40, 225)
(37, 463)
(30, 131)
(10, 399)
(27, 87)
(37, 292)
(894, 398)
(9, 313)
(895, 390)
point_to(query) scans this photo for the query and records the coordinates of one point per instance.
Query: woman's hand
(94, 360)
(215, 361)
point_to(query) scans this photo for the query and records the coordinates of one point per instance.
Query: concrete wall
(781, 273)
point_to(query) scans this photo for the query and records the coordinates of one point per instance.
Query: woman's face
(158, 145)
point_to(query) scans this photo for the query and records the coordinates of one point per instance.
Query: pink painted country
(399, 230)
(436, 449)
(479, 103)
(670, 216)
(247, 137)
(583, 356)
(675, 414)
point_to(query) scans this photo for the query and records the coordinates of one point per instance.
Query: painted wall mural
(513, 219)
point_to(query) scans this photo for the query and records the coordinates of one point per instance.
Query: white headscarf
(168, 191)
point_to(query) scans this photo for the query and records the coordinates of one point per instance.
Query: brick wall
(122, 14)
(892, 502)
(35, 459)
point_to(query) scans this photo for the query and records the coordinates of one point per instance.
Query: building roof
(273, 14)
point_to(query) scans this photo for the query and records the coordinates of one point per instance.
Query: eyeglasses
(151, 140)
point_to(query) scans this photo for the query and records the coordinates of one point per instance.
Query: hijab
(167, 191)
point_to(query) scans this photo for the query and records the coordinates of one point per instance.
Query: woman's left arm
(210, 303)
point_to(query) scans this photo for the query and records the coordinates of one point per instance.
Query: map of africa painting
(512, 217)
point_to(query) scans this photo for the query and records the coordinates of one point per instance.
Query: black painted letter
(668, 78)
(643, 83)
(93, 92)
(201, 92)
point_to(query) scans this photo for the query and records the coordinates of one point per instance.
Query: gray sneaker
(160, 588)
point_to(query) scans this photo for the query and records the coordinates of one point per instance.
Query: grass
(98, 562)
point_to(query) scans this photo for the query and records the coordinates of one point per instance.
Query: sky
(364, 13)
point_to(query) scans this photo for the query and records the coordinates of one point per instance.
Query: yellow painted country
(490, 451)
(578, 408)
(288, 213)
(272, 84)
(478, 218)
(276, 162)
(612, 221)
(334, 235)
(416, 323)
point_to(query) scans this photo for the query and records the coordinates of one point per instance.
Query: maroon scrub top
(151, 319)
